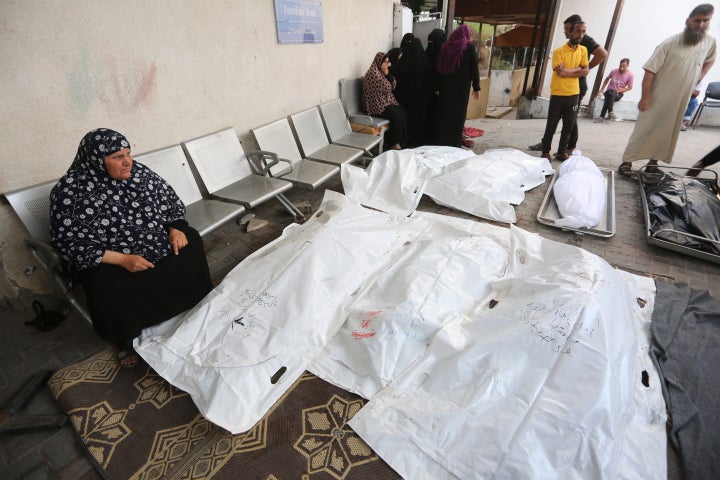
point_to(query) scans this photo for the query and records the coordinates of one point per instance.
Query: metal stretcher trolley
(682, 213)
(549, 212)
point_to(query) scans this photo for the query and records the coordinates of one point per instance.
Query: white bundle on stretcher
(579, 192)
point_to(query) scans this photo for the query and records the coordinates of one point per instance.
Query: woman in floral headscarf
(379, 101)
(457, 65)
(121, 230)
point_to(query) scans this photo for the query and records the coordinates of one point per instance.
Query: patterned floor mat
(135, 425)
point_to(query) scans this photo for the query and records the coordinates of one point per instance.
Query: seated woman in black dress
(121, 229)
(379, 101)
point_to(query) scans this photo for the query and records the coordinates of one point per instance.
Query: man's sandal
(652, 168)
(625, 169)
(128, 358)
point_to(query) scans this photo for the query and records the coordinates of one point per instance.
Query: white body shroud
(546, 383)
(486, 185)
(579, 192)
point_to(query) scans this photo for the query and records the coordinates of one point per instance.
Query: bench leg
(299, 217)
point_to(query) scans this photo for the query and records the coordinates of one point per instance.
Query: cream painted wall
(638, 32)
(160, 72)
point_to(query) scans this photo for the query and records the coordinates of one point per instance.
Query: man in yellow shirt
(569, 62)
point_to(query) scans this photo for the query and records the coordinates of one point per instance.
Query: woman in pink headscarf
(457, 65)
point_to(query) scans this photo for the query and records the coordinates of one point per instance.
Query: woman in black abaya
(458, 69)
(413, 90)
(435, 41)
(397, 60)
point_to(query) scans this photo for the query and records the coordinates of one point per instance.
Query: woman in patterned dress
(379, 101)
(121, 229)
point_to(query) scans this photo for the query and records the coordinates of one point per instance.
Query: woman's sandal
(473, 132)
(128, 358)
(625, 169)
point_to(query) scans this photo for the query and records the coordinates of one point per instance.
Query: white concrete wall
(643, 25)
(160, 72)
(597, 14)
(500, 83)
(402, 23)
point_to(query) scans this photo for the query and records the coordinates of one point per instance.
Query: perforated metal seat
(314, 142)
(351, 98)
(227, 174)
(277, 138)
(32, 206)
(203, 214)
(339, 131)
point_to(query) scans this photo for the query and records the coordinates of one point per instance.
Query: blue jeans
(611, 96)
(692, 105)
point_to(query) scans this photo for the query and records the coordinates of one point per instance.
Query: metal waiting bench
(203, 214)
(32, 206)
(314, 142)
(351, 98)
(339, 130)
(227, 174)
(278, 144)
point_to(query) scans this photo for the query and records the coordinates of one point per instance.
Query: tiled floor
(56, 455)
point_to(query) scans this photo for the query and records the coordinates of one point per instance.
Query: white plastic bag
(396, 180)
(579, 192)
(486, 185)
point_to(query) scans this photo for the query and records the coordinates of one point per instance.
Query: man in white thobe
(671, 73)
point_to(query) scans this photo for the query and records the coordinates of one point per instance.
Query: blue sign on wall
(299, 21)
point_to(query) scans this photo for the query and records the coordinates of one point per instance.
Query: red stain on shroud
(365, 319)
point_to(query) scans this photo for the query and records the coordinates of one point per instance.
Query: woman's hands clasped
(137, 263)
(130, 262)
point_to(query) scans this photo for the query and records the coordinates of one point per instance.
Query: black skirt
(122, 303)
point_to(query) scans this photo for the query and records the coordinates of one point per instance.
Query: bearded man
(671, 73)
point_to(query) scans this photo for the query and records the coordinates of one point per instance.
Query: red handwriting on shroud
(365, 330)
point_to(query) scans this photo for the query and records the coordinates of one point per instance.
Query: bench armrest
(360, 118)
(267, 160)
